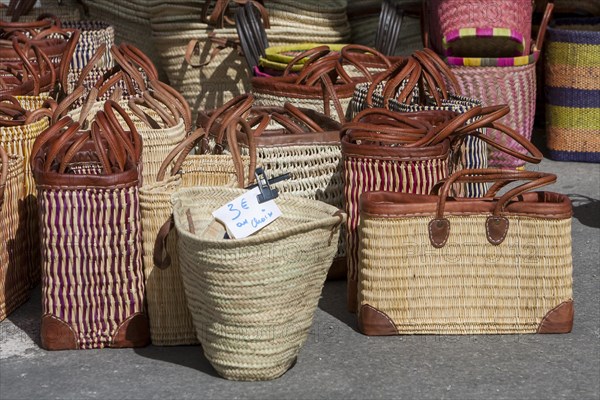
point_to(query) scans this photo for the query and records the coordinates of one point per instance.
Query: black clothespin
(266, 193)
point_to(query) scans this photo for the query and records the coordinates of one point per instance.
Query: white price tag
(245, 216)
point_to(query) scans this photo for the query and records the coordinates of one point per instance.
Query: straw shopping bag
(467, 266)
(514, 85)
(409, 153)
(93, 286)
(492, 28)
(253, 299)
(157, 117)
(416, 86)
(300, 142)
(14, 278)
(573, 90)
(322, 85)
(170, 319)
(18, 139)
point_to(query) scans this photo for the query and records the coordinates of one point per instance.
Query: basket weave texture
(253, 299)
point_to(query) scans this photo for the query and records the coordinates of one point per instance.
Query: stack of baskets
(492, 56)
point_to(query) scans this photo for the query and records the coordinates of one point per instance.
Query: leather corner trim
(559, 319)
(373, 322)
(133, 332)
(56, 334)
(496, 229)
(439, 230)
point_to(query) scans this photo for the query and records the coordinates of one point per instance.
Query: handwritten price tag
(245, 216)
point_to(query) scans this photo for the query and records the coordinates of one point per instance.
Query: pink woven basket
(446, 16)
(512, 85)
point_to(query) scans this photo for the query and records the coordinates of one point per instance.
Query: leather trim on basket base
(133, 332)
(338, 269)
(559, 319)
(373, 322)
(56, 334)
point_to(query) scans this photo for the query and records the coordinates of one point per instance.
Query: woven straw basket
(18, 140)
(93, 286)
(170, 320)
(515, 86)
(573, 90)
(253, 299)
(445, 17)
(14, 277)
(313, 161)
(468, 267)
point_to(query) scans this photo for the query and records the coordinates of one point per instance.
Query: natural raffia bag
(408, 153)
(297, 141)
(18, 138)
(170, 320)
(496, 265)
(93, 286)
(14, 277)
(253, 299)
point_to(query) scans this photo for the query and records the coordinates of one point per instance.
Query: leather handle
(93, 61)
(539, 42)
(129, 69)
(55, 130)
(180, 102)
(298, 114)
(310, 55)
(496, 224)
(182, 148)
(347, 55)
(131, 141)
(136, 56)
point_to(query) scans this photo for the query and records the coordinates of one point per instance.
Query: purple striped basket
(92, 277)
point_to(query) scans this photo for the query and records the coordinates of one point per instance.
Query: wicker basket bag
(253, 300)
(170, 319)
(14, 277)
(299, 142)
(573, 90)
(18, 139)
(93, 285)
(497, 265)
(492, 28)
(514, 85)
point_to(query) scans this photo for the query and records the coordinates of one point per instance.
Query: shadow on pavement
(586, 210)
(28, 316)
(186, 356)
(333, 302)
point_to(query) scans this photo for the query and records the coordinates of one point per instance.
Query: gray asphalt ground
(337, 362)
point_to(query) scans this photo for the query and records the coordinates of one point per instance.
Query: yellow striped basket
(14, 279)
(573, 90)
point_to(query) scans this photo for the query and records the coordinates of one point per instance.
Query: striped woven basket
(170, 320)
(18, 140)
(427, 266)
(14, 276)
(573, 90)
(93, 285)
(445, 18)
(253, 300)
(513, 85)
(93, 34)
(370, 165)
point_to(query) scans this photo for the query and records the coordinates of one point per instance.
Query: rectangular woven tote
(170, 320)
(93, 284)
(253, 299)
(18, 140)
(433, 264)
(573, 90)
(14, 277)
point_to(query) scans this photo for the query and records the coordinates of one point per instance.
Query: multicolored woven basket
(573, 90)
